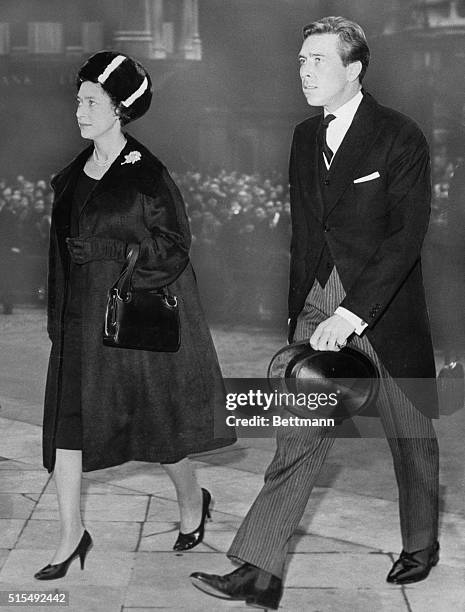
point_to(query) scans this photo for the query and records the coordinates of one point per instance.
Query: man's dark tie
(324, 145)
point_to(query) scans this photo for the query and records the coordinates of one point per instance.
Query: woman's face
(95, 112)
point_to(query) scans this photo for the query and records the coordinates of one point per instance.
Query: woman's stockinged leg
(67, 475)
(188, 493)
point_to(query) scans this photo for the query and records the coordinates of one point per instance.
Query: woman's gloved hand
(83, 250)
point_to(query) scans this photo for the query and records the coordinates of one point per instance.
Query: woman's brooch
(131, 158)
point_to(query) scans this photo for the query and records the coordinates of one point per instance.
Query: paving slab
(12, 464)
(98, 508)
(16, 505)
(102, 568)
(254, 460)
(94, 599)
(337, 563)
(149, 481)
(233, 491)
(106, 535)
(443, 591)
(162, 580)
(23, 481)
(130, 468)
(370, 521)
(452, 539)
(10, 530)
(256, 349)
(162, 509)
(194, 604)
(4, 553)
(21, 409)
(21, 441)
(311, 543)
(94, 487)
(376, 482)
(160, 537)
(338, 600)
(333, 570)
(86, 598)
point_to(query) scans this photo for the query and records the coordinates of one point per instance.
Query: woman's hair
(353, 46)
(124, 79)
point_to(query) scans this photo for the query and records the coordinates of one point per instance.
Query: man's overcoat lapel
(353, 150)
(310, 173)
(351, 153)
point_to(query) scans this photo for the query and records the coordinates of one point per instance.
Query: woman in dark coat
(104, 405)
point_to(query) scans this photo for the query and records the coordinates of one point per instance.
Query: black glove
(83, 250)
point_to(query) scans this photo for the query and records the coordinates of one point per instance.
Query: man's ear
(353, 70)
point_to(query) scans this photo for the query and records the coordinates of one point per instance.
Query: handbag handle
(123, 285)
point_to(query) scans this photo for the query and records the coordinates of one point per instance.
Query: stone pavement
(347, 542)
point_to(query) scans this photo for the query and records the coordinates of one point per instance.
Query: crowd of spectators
(443, 170)
(444, 256)
(25, 215)
(240, 241)
(241, 227)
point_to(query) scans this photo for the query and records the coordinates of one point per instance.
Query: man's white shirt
(335, 134)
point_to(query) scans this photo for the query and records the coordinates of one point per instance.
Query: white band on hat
(113, 65)
(137, 94)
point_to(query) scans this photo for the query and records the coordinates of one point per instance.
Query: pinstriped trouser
(264, 535)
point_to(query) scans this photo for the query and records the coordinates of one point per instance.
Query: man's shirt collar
(347, 111)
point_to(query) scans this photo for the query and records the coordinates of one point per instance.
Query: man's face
(325, 80)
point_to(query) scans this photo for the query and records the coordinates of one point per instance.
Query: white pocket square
(368, 177)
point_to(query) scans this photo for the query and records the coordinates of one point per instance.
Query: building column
(158, 44)
(134, 36)
(191, 45)
(4, 38)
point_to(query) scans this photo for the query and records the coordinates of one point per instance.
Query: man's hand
(332, 334)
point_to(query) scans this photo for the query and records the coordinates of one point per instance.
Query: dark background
(246, 83)
(234, 108)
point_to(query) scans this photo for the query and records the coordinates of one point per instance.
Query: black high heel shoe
(58, 570)
(186, 541)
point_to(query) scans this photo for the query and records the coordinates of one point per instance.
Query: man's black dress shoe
(248, 583)
(413, 567)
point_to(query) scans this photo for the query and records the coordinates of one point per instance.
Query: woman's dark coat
(135, 405)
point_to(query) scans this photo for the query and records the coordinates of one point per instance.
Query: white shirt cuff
(358, 323)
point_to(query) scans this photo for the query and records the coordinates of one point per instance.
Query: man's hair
(353, 46)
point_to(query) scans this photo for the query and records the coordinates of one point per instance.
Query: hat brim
(350, 374)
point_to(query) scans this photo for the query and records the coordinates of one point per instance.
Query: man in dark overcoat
(360, 199)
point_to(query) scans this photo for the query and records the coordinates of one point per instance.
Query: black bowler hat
(348, 377)
(123, 78)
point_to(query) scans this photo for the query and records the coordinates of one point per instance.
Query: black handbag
(144, 319)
